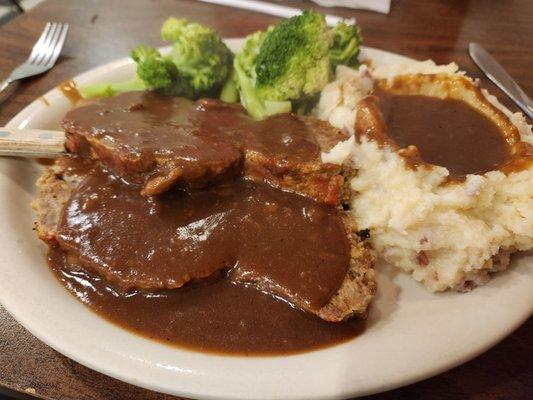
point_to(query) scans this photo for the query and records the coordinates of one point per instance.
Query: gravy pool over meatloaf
(253, 257)
(159, 141)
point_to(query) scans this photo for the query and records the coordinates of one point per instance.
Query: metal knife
(500, 77)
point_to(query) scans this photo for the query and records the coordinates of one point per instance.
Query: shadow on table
(96, 386)
(8, 394)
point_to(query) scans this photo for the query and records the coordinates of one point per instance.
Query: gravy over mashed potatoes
(446, 235)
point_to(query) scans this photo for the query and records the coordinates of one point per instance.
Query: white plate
(411, 333)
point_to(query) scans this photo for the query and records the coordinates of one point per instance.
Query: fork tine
(52, 45)
(40, 41)
(43, 51)
(40, 48)
(59, 45)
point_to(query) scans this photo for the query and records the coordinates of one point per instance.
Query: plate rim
(25, 321)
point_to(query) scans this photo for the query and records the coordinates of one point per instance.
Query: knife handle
(32, 143)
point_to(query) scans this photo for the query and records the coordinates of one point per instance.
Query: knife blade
(500, 77)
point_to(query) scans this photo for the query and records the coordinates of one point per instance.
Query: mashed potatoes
(445, 236)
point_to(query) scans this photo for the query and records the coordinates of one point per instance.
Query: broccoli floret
(257, 107)
(345, 47)
(198, 65)
(152, 68)
(199, 54)
(246, 59)
(244, 80)
(160, 72)
(293, 58)
(153, 72)
(283, 68)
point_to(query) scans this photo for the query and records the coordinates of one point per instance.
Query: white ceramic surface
(411, 333)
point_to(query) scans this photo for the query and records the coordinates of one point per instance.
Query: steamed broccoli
(243, 80)
(345, 48)
(153, 72)
(198, 64)
(157, 72)
(111, 89)
(230, 91)
(199, 54)
(286, 67)
(293, 58)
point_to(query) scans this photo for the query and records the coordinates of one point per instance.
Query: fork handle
(5, 83)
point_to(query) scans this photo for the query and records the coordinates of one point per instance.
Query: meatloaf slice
(159, 142)
(150, 139)
(352, 299)
(323, 182)
(355, 292)
(55, 186)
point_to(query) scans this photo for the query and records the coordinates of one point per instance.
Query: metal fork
(43, 55)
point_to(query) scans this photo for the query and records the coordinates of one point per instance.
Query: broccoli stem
(230, 92)
(111, 89)
(276, 107)
(255, 106)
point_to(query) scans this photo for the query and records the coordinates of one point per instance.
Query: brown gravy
(222, 317)
(159, 141)
(45, 161)
(284, 243)
(70, 91)
(230, 265)
(446, 132)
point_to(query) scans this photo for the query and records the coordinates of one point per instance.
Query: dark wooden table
(103, 30)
